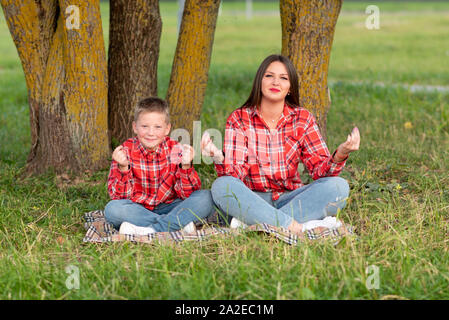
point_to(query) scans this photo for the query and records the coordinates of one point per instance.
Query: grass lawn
(399, 201)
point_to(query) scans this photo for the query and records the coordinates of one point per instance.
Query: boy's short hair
(152, 104)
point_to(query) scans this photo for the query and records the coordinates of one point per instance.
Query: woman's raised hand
(351, 144)
(209, 149)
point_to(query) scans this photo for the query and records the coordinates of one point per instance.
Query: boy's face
(151, 128)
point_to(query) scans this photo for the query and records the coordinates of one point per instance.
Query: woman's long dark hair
(255, 97)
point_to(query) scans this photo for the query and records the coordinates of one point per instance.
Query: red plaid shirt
(154, 177)
(268, 161)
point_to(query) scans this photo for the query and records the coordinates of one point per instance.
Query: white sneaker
(189, 228)
(328, 222)
(237, 224)
(129, 228)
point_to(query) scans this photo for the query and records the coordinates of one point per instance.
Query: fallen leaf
(60, 240)
(408, 125)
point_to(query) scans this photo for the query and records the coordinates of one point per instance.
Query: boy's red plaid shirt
(154, 177)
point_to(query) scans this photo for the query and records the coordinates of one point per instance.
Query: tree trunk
(65, 72)
(307, 33)
(134, 36)
(191, 63)
(29, 33)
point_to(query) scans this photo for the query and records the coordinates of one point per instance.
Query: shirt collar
(160, 148)
(288, 111)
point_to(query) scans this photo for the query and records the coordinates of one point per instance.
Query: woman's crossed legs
(314, 201)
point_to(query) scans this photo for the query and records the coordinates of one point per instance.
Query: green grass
(399, 201)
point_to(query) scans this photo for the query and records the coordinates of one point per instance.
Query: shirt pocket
(291, 152)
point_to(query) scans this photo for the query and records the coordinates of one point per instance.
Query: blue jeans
(314, 201)
(166, 216)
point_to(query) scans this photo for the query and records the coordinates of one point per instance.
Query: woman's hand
(351, 144)
(209, 149)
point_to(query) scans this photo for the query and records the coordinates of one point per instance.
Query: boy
(152, 183)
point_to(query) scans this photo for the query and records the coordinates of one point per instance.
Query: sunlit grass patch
(399, 200)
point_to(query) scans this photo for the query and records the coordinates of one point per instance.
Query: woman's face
(275, 82)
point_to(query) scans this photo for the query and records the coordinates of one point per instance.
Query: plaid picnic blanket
(100, 231)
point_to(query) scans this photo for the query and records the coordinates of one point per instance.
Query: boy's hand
(209, 149)
(187, 156)
(119, 156)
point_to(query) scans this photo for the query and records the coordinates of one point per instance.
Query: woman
(264, 141)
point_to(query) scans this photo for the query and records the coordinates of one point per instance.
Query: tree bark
(188, 80)
(65, 72)
(307, 33)
(134, 37)
(29, 23)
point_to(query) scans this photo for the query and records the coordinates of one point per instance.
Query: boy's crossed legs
(166, 216)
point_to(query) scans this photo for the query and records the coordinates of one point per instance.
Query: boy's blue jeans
(314, 201)
(166, 216)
